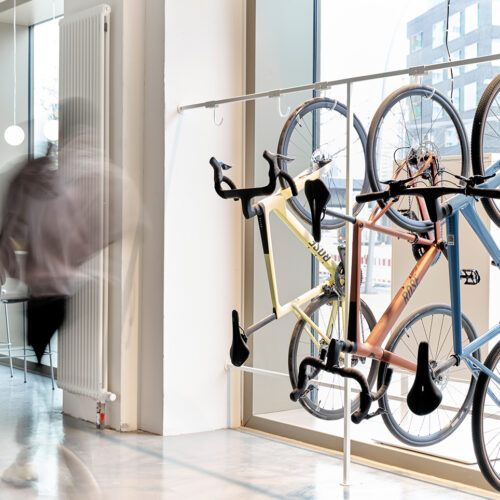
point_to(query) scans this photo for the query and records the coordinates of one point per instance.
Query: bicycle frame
(466, 205)
(372, 347)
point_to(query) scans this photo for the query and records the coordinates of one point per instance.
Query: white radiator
(83, 62)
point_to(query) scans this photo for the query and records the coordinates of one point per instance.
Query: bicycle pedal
(376, 413)
(471, 276)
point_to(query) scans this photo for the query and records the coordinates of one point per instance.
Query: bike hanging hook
(216, 123)
(432, 94)
(286, 113)
(278, 95)
(322, 89)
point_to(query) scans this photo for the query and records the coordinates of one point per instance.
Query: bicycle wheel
(316, 130)
(431, 324)
(485, 418)
(412, 123)
(485, 140)
(326, 400)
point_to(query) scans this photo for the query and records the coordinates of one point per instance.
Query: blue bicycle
(431, 376)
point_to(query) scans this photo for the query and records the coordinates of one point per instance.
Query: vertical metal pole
(9, 343)
(347, 270)
(371, 258)
(24, 340)
(51, 366)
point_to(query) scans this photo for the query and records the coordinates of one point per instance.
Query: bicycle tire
(410, 142)
(299, 116)
(478, 145)
(491, 474)
(445, 426)
(337, 411)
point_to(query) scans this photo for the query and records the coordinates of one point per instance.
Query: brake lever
(479, 179)
(225, 166)
(283, 157)
(397, 182)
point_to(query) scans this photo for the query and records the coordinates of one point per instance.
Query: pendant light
(14, 135)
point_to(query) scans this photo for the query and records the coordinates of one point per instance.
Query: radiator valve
(100, 418)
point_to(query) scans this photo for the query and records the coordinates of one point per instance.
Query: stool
(17, 299)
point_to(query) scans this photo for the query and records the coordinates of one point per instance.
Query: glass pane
(455, 26)
(471, 17)
(470, 96)
(471, 51)
(45, 85)
(495, 49)
(416, 42)
(437, 34)
(495, 14)
(45, 99)
(416, 37)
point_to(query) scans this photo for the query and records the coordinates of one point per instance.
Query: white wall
(203, 60)
(169, 343)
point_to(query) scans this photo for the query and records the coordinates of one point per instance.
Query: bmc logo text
(322, 253)
(409, 288)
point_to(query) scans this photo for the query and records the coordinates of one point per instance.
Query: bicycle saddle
(424, 397)
(317, 195)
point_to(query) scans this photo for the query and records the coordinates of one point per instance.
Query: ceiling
(30, 12)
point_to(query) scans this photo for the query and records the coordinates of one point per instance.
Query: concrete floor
(71, 459)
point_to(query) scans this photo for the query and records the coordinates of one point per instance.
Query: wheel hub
(320, 158)
(442, 379)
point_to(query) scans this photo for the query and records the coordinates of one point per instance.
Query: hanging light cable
(14, 135)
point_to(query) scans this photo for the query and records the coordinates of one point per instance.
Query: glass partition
(45, 85)
(345, 44)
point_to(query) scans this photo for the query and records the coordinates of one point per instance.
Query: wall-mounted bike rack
(415, 71)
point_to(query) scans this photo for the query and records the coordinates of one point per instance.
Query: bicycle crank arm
(442, 366)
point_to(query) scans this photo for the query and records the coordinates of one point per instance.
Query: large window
(45, 85)
(45, 99)
(415, 36)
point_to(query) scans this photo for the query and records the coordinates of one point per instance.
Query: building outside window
(416, 42)
(450, 137)
(437, 112)
(470, 96)
(437, 34)
(471, 51)
(455, 26)
(471, 17)
(495, 49)
(457, 98)
(45, 63)
(495, 12)
(456, 56)
(439, 74)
